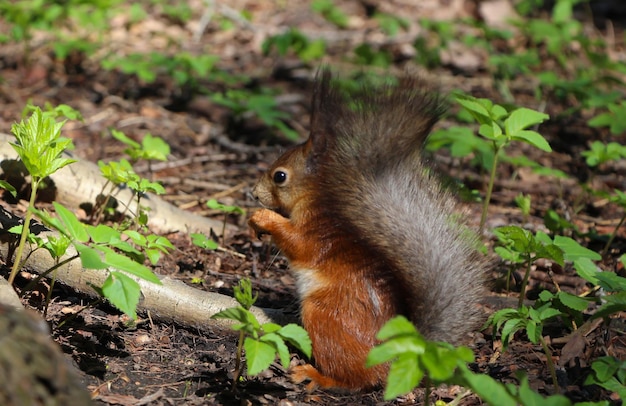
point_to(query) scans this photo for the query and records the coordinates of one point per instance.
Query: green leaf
(120, 136)
(259, 355)
(490, 391)
(523, 202)
(476, 109)
(611, 281)
(153, 255)
(243, 293)
(89, 257)
(279, 346)
(502, 316)
(497, 112)
(102, 234)
(63, 110)
(155, 148)
(298, 337)
(57, 247)
(396, 326)
(562, 11)
(572, 301)
(533, 331)
(491, 131)
(203, 241)
(548, 313)
(404, 375)
(441, 361)
(8, 187)
(573, 251)
(509, 255)
(270, 327)
(606, 367)
(552, 252)
(137, 237)
(159, 242)
(509, 328)
(395, 347)
(214, 204)
(521, 119)
(314, 50)
(40, 145)
(74, 227)
(239, 314)
(533, 138)
(531, 397)
(586, 269)
(123, 263)
(515, 237)
(123, 292)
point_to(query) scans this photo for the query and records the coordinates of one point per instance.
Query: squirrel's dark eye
(280, 177)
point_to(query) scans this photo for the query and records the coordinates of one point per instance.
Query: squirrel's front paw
(262, 220)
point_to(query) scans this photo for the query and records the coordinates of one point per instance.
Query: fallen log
(172, 301)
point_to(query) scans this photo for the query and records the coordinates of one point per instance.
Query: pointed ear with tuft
(323, 97)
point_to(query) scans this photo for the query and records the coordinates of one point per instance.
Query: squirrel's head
(286, 182)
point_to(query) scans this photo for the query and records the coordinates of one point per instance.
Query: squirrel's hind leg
(308, 372)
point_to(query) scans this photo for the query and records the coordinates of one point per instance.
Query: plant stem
(224, 233)
(42, 275)
(25, 229)
(610, 241)
(522, 293)
(492, 178)
(49, 294)
(238, 361)
(427, 386)
(551, 368)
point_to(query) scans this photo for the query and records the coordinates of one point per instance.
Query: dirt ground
(215, 156)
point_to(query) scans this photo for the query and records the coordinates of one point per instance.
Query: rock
(33, 369)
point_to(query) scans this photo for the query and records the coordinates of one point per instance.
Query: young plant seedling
(330, 12)
(151, 147)
(502, 127)
(202, 241)
(122, 173)
(304, 48)
(520, 246)
(40, 147)
(510, 321)
(226, 209)
(615, 118)
(261, 104)
(523, 202)
(262, 342)
(609, 373)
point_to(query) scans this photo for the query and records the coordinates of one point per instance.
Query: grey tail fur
(374, 171)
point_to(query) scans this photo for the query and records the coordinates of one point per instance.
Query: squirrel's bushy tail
(377, 135)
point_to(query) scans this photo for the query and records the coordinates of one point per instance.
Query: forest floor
(216, 155)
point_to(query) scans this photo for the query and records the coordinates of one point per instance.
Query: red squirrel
(368, 230)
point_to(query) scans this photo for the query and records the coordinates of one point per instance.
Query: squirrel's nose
(252, 194)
